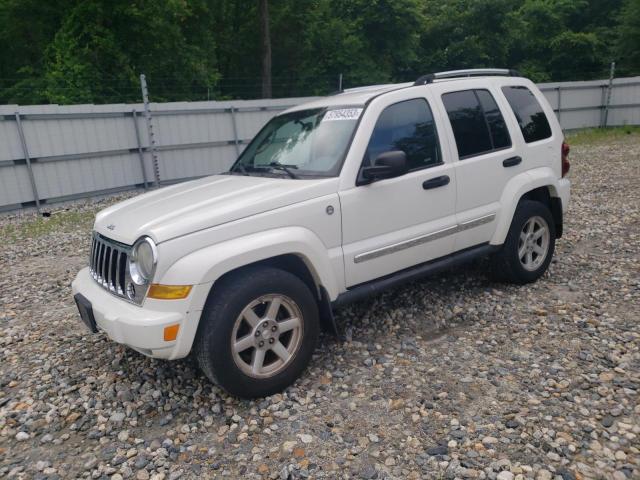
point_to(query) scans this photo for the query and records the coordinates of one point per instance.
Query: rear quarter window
(531, 118)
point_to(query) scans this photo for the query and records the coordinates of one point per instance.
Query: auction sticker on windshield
(343, 114)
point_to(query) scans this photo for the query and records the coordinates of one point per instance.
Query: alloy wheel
(267, 335)
(533, 244)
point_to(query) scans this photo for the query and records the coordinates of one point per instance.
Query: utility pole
(27, 159)
(612, 72)
(266, 49)
(152, 140)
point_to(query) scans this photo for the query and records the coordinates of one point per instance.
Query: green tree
(370, 41)
(627, 45)
(575, 55)
(70, 51)
(26, 28)
(103, 45)
(546, 48)
(467, 34)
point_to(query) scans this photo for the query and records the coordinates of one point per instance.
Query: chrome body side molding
(396, 247)
(476, 222)
(429, 237)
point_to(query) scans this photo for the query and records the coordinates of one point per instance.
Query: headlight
(142, 262)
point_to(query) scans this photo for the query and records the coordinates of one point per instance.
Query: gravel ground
(452, 377)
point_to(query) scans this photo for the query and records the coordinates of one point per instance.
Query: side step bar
(374, 287)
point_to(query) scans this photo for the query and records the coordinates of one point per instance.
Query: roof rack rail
(472, 72)
(365, 88)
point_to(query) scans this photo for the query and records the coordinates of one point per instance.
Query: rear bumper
(141, 328)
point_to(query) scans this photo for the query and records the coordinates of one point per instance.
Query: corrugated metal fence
(54, 153)
(582, 104)
(51, 153)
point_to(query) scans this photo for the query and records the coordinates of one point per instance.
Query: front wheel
(529, 246)
(258, 332)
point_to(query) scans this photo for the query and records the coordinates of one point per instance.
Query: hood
(177, 210)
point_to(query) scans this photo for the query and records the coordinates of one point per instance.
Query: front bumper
(141, 328)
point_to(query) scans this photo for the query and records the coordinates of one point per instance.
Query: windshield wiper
(277, 166)
(285, 168)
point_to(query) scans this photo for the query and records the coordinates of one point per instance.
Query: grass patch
(61, 221)
(588, 136)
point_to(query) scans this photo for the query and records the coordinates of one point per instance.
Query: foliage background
(92, 51)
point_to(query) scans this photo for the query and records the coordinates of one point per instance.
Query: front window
(306, 143)
(406, 126)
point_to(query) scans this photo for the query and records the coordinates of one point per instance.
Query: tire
(508, 265)
(238, 309)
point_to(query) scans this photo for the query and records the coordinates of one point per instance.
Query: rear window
(532, 120)
(477, 123)
(497, 127)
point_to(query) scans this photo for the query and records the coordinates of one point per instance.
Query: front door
(395, 223)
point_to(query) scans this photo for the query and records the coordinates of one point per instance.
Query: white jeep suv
(331, 201)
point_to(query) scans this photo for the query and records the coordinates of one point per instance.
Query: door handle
(436, 182)
(512, 162)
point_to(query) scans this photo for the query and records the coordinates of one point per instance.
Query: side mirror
(387, 165)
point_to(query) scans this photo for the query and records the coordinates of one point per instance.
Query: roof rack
(472, 72)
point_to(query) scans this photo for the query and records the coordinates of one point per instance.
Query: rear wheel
(258, 332)
(529, 246)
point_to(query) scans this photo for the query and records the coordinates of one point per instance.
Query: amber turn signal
(171, 332)
(168, 292)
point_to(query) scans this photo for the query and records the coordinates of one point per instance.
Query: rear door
(485, 158)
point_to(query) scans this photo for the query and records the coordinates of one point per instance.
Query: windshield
(306, 143)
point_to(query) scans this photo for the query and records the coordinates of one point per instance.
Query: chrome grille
(108, 264)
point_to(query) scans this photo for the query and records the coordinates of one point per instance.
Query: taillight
(565, 158)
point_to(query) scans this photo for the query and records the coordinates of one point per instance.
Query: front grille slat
(116, 277)
(108, 262)
(122, 278)
(112, 268)
(95, 258)
(94, 246)
(95, 254)
(99, 264)
(104, 265)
